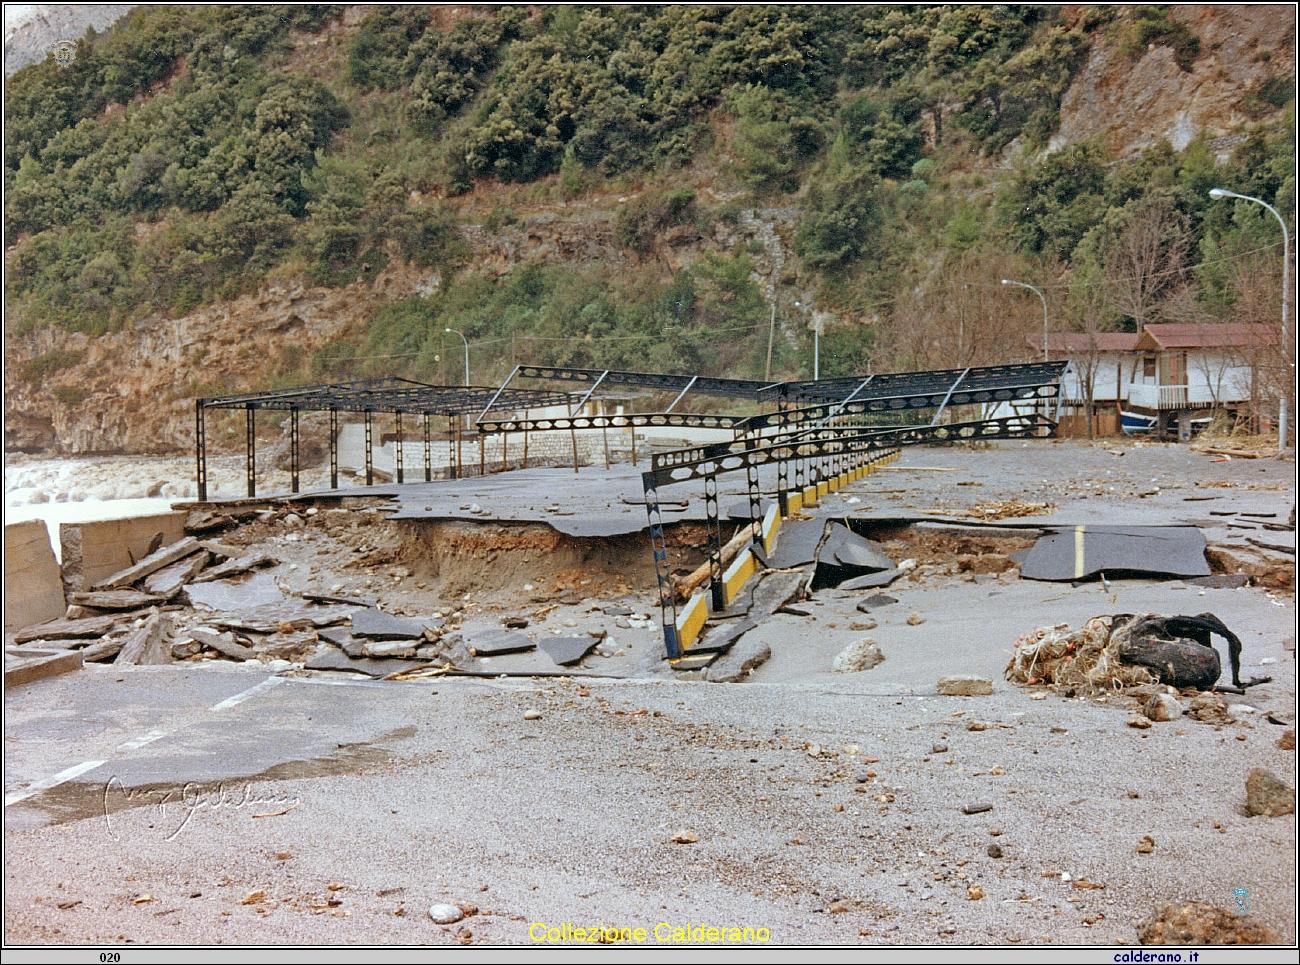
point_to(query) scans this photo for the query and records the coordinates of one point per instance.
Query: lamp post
(466, 341)
(1008, 281)
(1218, 194)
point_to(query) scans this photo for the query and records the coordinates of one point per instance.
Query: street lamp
(1008, 281)
(1218, 194)
(466, 341)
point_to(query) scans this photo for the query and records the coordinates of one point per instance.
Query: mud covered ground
(214, 802)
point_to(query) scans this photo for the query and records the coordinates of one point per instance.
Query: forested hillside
(622, 186)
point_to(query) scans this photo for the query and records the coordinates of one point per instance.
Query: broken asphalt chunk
(875, 602)
(566, 651)
(258, 590)
(871, 580)
(236, 566)
(169, 579)
(222, 643)
(1078, 551)
(147, 646)
(378, 625)
(495, 643)
(150, 564)
(116, 599)
(68, 629)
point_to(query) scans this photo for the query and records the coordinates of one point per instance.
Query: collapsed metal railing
(832, 439)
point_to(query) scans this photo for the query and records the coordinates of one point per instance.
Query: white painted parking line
(266, 684)
(356, 682)
(44, 785)
(143, 739)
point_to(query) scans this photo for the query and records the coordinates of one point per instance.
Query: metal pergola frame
(368, 396)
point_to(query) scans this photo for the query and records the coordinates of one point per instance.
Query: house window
(1149, 367)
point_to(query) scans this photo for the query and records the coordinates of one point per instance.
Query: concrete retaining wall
(33, 590)
(93, 551)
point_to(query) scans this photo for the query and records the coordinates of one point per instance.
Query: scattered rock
(532, 715)
(976, 808)
(188, 647)
(974, 892)
(1287, 741)
(685, 837)
(978, 725)
(868, 624)
(995, 850)
(445, 914)
(964, 685)
(1200, 923)
(1268, 794)
(1139, 723)
(862, 655)
(1163, 707)
(254, 897)
(1208, 707)
(1146, 845)
(915, 619)
(939, 749)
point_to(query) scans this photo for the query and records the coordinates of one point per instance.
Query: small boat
(1134, 423)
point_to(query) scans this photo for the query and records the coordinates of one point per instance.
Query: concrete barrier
(33, 590)
(93, 551)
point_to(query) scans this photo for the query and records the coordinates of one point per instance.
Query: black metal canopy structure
(820, 431)
(368, 396)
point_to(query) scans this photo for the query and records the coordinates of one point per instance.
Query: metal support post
(293, 450)
(397, 417)
(428, 456)
(250, 455)
(525, 440)
(505, 449)
(334, 448)
(667, 596)
(453, 464)
(370, 456)
(755, 507)
(717, 591)
(482, 454)
(574, 437)
(200, 451)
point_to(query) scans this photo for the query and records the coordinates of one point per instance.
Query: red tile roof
(1165, 336)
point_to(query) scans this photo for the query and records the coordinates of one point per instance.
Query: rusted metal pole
(525, 439)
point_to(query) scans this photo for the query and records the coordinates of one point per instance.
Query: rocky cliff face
(139, 384)
(30, 28)
(133, 391)
(1132, 104)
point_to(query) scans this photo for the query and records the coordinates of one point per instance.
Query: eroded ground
(828, 807)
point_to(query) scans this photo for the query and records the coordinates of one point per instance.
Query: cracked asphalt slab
(224, 805)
